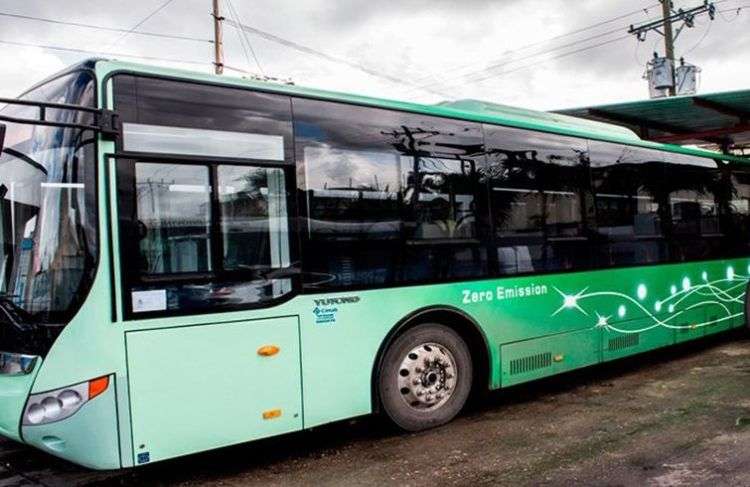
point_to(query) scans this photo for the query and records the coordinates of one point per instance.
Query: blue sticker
(325, 315)
(144, 458)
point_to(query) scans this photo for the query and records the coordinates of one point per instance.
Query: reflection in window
(694, 184)
(352, 194)
(631, 204)
(202, 250)
(538, 184)
(391, 196)
(253, 218)
(440, 194)
(173, 203)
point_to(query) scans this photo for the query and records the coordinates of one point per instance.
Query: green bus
(191, 261)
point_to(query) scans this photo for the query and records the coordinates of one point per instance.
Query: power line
(554, 38)
(113, 54)
(328, 57)
(243, 35)
(737, 11)
(145, 19)
(103, 28)
(566, 54)
(520, 59)
(700, 41)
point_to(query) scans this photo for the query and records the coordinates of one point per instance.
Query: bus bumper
(17, 374)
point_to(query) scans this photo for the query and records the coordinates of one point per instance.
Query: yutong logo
(325, 309)
(335, 301)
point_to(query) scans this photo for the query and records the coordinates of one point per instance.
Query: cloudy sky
(517, 52)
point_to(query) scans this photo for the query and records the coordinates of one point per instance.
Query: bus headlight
(51, 406)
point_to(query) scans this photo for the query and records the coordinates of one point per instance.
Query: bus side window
(631, 204)
(391, 197)
(735, 223)
(694, 184)
(539, 196)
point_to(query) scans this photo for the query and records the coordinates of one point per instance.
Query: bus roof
(471, 110)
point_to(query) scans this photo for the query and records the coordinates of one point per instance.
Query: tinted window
(391, 197)
(227, 112)
(655, 206)
(735, 209)
(693, 184)
(538, 191)
(631, 204)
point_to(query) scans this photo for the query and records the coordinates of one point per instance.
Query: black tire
(392, 396)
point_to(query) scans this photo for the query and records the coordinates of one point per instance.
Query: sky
(514, 52)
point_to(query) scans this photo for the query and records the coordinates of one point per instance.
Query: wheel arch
(454, 318)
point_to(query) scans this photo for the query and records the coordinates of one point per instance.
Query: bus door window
(252, 204)
(173, 218)
(206, 235)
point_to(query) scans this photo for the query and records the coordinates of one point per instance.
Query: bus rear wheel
(425, 377)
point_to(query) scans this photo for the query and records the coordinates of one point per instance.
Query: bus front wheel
(425, 377)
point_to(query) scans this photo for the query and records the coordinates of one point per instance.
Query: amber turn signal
(268, 350)
(272, 414)
(97, 386)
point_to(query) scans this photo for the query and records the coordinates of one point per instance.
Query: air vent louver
(532, 362)
(624, 341)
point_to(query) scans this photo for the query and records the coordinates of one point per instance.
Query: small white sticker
(155, 300)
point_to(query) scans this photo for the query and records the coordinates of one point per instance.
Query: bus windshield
(48, 233)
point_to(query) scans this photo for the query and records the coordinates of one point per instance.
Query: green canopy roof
(718, 119)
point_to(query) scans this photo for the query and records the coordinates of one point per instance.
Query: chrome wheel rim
(427, 376)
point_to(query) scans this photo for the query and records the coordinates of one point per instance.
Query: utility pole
(218, 39)
(661, 72)
(666, 7)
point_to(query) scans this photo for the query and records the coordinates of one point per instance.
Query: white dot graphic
(642, 291)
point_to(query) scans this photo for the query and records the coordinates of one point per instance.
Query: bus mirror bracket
(109, 124)
(106, 122)
(2, 137)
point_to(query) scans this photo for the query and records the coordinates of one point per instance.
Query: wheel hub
(427, 376)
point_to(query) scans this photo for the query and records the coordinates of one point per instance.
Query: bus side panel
(195, 388)
(617, 345)
(541, 357)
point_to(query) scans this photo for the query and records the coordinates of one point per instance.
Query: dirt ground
(675, 417)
